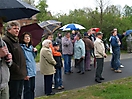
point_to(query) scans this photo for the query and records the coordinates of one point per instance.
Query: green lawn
(118, 89)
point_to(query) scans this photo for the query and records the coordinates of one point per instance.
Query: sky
(63, 6)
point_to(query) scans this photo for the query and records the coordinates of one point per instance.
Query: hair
(46, 43)
(11, 24)
(79, 35)
(47, 35)
(22, 38)
(66, 33)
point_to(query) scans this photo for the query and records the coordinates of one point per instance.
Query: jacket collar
(13, 38)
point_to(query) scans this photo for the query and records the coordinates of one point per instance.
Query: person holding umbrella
(5, 63)
(18, 68)
(30, 53)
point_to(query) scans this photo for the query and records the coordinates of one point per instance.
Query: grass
(117, 89)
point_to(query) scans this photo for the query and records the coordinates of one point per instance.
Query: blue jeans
(116, 60)
(67, 63)
(29, 86)
(58, 78)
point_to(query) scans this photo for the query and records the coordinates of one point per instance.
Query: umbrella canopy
(16, 9)
(96, 29)
(71, 26)
(50, 26)
(35, 30)
(128, 32)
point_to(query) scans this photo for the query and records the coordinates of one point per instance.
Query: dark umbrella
(35, 30)
(16, 9)
(50, 26)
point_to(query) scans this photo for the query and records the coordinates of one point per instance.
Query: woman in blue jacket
(30, 52)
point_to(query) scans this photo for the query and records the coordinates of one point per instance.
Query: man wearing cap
(5, 62)
(99, 51)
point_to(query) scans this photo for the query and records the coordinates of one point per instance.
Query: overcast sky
(63, 6)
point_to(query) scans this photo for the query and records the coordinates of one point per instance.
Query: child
(58, 66)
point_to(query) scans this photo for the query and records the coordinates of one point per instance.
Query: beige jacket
(47, 61)
(99, 49)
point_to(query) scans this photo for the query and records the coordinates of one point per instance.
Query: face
(14, 30)
(50, 37)
(56, 47)
(26, 38)
(100, 36)
(68, 35)
(115, 33)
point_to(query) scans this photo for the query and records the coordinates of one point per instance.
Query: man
(5, 61)
(115, 43)
(99, 51)
(67, 51)
(18, 69)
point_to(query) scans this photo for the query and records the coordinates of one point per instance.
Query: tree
(44, 14)
(127, 11)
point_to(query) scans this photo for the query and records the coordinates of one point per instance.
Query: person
(18, 68)
(30, 53)
(120, 36)
(129, 43)
(99, 51)
(47, 64)
(79, 53)
(67, 51)
(88, 46)
(58, 67)
(5, 63)
(115, 43)
(59, 40)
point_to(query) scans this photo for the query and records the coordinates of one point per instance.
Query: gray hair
(11, 24)
(46, 43)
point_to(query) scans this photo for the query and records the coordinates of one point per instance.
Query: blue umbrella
(128, 32)
(72, 26)
(16, 9)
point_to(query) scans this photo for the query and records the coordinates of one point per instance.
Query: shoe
(62, 87)
(59, 88)
(67, 73)
(53, 86)
(70, 71)
(79, 72)
(102, 78)
(88, 69)
(98, 81)
(112, 69)
(118, 71)
(121, 66)
(52, 93)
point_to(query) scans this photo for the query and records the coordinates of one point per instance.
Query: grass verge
(117, 89)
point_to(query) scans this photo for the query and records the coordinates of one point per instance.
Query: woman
(30, 52)
(79, 53)
(47, 64)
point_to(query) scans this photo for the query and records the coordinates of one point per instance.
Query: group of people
(18, 67)
(17, 63)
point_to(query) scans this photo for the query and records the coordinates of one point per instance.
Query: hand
(34, 49)
(83, 57)
(105, 55)
(26, 78)
(3, 51)
(8, 57)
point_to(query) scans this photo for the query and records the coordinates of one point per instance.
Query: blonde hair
(46, 43)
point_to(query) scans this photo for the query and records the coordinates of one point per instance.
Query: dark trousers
(15, 89)
(48, 83)
(99, 69)
(29, 86)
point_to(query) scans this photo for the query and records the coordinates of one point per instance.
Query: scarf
(12, 37)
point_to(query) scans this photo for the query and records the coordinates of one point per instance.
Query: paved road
(75, 80)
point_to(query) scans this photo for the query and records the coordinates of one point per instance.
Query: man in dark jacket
(18, 69)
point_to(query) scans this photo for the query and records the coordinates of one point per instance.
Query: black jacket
(58, 62)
